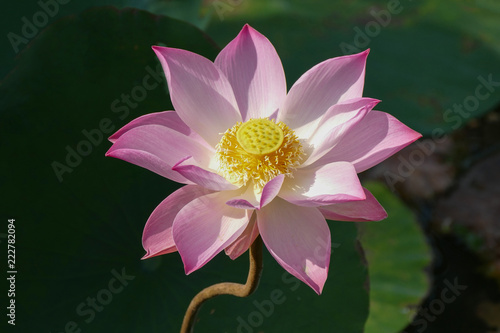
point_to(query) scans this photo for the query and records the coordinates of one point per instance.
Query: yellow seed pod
(260, 136)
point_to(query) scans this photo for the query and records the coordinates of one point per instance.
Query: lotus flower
(256, 160)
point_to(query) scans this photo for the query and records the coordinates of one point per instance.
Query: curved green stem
(227, 288)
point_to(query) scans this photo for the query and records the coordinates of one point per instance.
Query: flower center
(259, 136)
(258, 150)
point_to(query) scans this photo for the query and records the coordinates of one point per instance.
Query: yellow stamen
(258, 150)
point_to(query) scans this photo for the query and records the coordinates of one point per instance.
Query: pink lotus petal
(378, 136)
(330, 183)
(251, 200)
(200, 93)
(355, 211)
(246, 200)
(193, 171)
(271, 190)
(254, 70)
(328, 83)
(168, 119)
(299, 239)
(205, 226)
(158, 148)
(242, 243)
(336, 122)
(157, 237)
